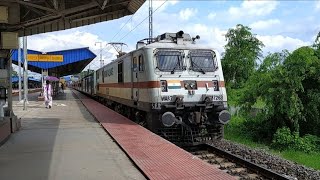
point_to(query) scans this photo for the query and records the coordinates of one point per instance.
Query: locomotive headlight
(190, 85)
(163, 86)
(215, 85)
(193, 85)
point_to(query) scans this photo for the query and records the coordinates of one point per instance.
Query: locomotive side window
(97, 76)
(103, 75)
(120, 72)
(202, 61)
(141, 63)
(135, 64)
(169, 60)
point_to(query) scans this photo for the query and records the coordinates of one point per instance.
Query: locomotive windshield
(202, 61)
(169, 60)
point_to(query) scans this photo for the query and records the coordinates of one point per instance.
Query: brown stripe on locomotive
(154, 84)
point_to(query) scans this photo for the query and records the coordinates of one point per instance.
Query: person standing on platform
(62, 87)
(47, 93)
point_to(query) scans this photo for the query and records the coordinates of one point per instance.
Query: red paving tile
(155, 156)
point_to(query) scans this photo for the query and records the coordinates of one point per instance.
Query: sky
(278, 24)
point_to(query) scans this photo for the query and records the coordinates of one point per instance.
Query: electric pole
(150, 22)
(25, 78)
(19, 64)
(101, 60)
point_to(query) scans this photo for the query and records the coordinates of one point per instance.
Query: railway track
(233, 164)
(244, 169)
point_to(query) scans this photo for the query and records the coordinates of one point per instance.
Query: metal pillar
(150, 22)
(10, 85)
(19, 64)
(25, 80)
(4, 81)
(101, 60)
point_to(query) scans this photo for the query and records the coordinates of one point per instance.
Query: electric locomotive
(172, 86)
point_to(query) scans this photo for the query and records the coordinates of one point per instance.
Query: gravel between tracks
(267, 160)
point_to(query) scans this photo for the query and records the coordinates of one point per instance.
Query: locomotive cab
(191, 91)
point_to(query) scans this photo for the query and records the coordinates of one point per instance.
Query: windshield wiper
(198, 67)
(178, 63)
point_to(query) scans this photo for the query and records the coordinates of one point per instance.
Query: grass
(233, 133)
(241, 139)
(311, 160)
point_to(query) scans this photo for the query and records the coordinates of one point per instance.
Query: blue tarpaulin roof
(16, 79)
(74, 61)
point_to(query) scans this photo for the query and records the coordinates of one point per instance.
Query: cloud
(210, 36)
(277, 43)
(318, 5)
(72, 39)
(156, 4)
(187, 13)
(212, 16)
(253, 8)
(259, 25)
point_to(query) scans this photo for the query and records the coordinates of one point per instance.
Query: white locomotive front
(171, 85)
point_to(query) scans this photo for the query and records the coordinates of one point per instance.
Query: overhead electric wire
(143, 20)
(135, 26)
(118, 32)
(122, 28)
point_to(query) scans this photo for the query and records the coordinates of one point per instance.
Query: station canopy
(73, 62)
(28, 17)
(15, 79)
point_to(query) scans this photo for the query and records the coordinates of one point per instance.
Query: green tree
(316, 45)
(243, 50)
(289, 86)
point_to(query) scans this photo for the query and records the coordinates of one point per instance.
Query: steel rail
(252, 166)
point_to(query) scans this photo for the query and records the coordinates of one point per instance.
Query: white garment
(47, 92)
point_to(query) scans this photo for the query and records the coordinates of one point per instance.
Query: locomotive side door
(135, 80)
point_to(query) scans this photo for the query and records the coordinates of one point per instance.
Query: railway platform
(156, 157)
(79, 138)
(64, 142)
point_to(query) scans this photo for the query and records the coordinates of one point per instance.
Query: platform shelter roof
(15, 79)
(74, 61)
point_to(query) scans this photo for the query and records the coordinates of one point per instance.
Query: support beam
(64, 12)
(102, 3)
(37, 11)
(30, 17)
(55, 4)
(79, 9)
(36, 6)
(96, 16)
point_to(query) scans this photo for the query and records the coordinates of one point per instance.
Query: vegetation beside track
(275, 99)
(234, 131)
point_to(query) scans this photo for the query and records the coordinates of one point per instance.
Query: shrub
(258, 128)
(284, 139)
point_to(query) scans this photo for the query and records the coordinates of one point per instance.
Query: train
(170, 85)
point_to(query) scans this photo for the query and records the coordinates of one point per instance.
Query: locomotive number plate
(217, 97)
(166, 98)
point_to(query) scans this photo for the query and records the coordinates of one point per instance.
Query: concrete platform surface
(62, 143)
